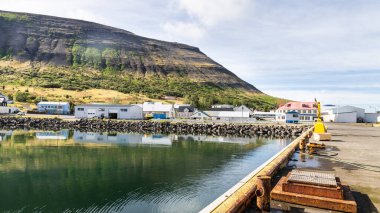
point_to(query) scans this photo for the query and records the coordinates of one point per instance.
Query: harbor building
(3, 101)
(110, 111)
(307, 111)
(184, 111)
(158, 110)
(372, 117)
(288, 117)
(350, 114)
(60, 108)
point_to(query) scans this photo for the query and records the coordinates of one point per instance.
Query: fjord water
(121, 172)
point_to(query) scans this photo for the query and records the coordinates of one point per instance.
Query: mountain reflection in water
(122, 172)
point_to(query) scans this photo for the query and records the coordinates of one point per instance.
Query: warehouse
(61, 108)
(128, 112)
(344, 114)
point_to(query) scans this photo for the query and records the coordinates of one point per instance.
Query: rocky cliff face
(51, 41)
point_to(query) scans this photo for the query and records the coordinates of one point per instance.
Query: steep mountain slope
(72, 54)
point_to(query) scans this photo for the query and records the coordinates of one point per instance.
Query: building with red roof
(307, 111)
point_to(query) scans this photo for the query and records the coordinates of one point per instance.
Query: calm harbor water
(121, 172)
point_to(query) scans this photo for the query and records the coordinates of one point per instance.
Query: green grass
(13, 17)
(153, 86)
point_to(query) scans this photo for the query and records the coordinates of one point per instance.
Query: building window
(80, 109)
(124, 110)
(60, 107)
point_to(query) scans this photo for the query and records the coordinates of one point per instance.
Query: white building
(54, 107)
(129, 112)
(8, 110)
(158, 110)
(200, 115)
(307, 111)
(243, 108)
(344, 114)
(288, 117)
(265, 115)
(372, 117)
(230, 116)
(61, 135)
(184, 111)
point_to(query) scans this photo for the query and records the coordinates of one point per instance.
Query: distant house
(3, 101)
(158, 110)
(129, 112)
(61, 108)
(307, 111)
(200, 115)
(243, 108)
(288, 117)
(184, 111)
(8, 110)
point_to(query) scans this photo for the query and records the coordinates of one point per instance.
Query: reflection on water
(76, 171)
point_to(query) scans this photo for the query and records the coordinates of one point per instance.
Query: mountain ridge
(75, 48)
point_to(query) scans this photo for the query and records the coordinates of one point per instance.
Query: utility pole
(242, 114)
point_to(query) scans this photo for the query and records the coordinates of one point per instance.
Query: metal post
(263, 193)
(241, 114)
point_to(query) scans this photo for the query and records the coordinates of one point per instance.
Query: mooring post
(302, 144)
(307, 139)
(263, 193)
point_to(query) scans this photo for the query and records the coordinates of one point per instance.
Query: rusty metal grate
(311, 177)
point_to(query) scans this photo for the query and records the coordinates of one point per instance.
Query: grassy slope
(86, 85)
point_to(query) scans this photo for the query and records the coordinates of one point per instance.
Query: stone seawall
(164, 127)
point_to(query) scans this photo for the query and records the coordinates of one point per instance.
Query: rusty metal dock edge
(237, 198)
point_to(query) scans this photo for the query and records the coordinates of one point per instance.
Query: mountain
(52, 52)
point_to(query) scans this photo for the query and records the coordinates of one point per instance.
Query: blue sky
(329, 49)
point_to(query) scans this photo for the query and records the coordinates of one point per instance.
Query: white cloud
(271, 44)
(327, 97)
(84, 15)
(211, 12)
(187, 30)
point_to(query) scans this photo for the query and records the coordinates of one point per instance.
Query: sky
(299, 50)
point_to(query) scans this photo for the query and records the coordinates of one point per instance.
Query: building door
(113, 115)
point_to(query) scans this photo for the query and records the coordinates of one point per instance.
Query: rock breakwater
(164, 127)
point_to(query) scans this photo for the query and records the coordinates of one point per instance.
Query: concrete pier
(240, 196)
(354, 156)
